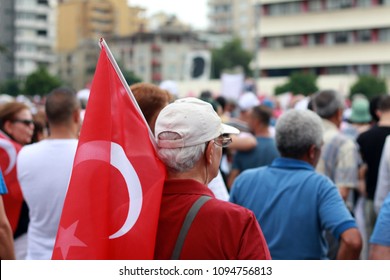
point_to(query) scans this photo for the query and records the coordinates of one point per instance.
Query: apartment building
(81, 23)
(161, 55)
(28, 37)
(326, 37)
(236, 17)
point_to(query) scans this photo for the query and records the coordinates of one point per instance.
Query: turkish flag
(13, 200)
(113, 201)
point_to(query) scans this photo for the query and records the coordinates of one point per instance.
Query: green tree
(40, 82)
(11, 87)
(299, 83)
(229, 56)
(370, 86)
(130, 77)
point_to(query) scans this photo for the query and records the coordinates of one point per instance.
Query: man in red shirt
(193, 224)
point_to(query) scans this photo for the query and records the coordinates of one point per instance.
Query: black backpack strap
(187, 224)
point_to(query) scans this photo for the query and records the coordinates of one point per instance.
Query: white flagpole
(128, 90)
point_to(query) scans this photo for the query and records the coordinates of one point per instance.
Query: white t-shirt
(44, 170)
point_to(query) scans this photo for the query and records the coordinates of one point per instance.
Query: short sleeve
(381, 233)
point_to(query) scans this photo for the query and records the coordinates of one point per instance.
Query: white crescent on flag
(11, 152)
(94, 150)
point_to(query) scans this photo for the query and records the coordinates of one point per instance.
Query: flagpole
(126, 86)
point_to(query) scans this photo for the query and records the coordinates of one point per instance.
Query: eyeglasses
(222, 141)
(25, 122)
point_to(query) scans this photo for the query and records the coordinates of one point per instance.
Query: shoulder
(31, 149)
(228, 209)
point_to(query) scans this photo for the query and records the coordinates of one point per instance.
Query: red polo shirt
(221, 230)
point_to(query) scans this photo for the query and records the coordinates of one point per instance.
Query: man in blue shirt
(293, 204)
(264, 152)
(6, 237)
(380, 238)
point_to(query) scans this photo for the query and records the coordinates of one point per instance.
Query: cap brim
(228, 129)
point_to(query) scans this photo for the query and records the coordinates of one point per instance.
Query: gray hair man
(293, 202)
(339, 159)
(190, 137)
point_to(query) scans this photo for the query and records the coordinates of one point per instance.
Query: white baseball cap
(247, 101)
(194, 120)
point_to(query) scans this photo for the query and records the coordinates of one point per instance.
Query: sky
(193, 12)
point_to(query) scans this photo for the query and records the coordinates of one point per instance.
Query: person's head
(374, 102)
(384, 104)
(40, 126)
(151, 100)
(245, 103)
(62, 108)
(328, 104)
(17, 122)
(299, 135)
(190, 136)
(259, 117)
(360, 111)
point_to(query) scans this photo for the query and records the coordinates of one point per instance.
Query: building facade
(160, 55)
(236, 17)
(81, 23)
(28, 37)
(325, 37)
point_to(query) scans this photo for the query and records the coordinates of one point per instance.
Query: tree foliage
(130, 77)
(229, 56)
(299, 83)
(370, 86)
(11, 87)
(40, 82)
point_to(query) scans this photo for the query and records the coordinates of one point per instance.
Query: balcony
(327, 21)
(321, 56)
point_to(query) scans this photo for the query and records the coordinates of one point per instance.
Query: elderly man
(294, 203)
(192, 223)
(340, 158)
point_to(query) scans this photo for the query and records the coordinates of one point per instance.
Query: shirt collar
(329, 125)
(290, 163)
(186, 186)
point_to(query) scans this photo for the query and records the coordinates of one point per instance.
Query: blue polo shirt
(381, 233)
(293, 205)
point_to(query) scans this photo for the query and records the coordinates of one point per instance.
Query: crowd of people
(246, 178)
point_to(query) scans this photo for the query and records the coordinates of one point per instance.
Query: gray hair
(327, 102)
(179, 159)
(296, 131)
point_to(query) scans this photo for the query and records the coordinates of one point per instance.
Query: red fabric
(99, 198)
(14, 199)
(221, 230)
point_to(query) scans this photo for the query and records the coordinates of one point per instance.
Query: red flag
(13, 199)
(113, 201)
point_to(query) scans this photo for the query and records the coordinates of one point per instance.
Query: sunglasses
(25, 122)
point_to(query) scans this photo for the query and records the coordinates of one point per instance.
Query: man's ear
(209, 152)
(312, 152)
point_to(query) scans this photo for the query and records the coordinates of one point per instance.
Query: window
(363, 3)
(292, 41)
(42, 32)
(384, 70)
(275, 43)
(363, 35)
(339, 4)
(315, 39)
(315, 5)
(363, 69)
(384, 35)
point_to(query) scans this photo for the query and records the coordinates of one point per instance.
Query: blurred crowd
(285, 177)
